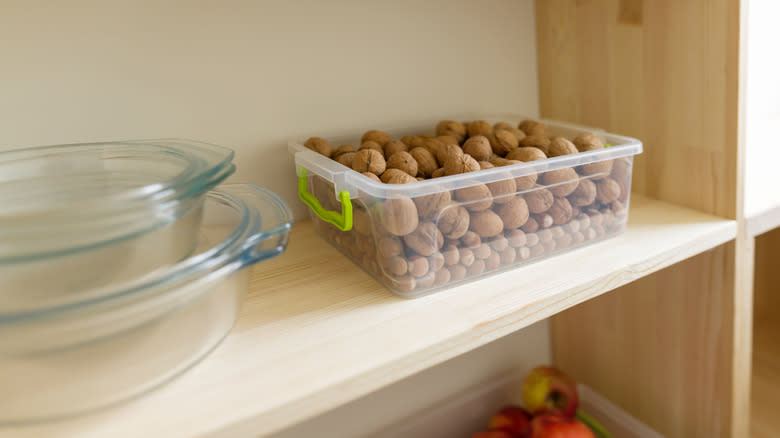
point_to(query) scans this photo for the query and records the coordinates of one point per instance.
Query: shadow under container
(421, 237)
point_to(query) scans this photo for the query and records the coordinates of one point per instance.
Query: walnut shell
(425, 240)
(320, 145)
(458, 272)
(478, 147)
(389, 246)
(544, 220)
(504, 142)
(600, 168)
(438, 173)
(486, 223)
(399, 216)
(480, 127)
(374, 135)
(607, 190)
(531, 127)
(519, 135)
(500, 162)
(403, 161)
(493, 261)
(394, 265)
(434, 145)
(404, 283)
(621, 170)
(585, 194)
(372, 176)
(430, 206)
(475, 198)
(458, 164)
(451, 254)
(395, 146)
(372, 145)
(561, 211)
(346, 158)
(449, 139)
(526, 182)
(467, 257)
(471, 240)
(453, 222)
(537, 141)
(426, 162)
(343, 149)
(396, 176)
(516, 238)
(526, 154)
(453, 128)
(502, 125)
(443, 276)
(449, 151)
(560, 146)
(587, 142)
(539, 200)
(513, 214)
(369, 160)
(485, 165)
(418, 265)
(561, 182)
(477, 267)
(436, 260)
(503, 191)
(361, 221)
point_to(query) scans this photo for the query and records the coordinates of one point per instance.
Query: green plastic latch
(342, 221)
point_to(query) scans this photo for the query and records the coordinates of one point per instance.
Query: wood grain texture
(664, 71)
(765, 423)
(660, 347)
(766, 282)
(316, 332)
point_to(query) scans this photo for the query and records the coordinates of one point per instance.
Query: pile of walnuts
(416, 243)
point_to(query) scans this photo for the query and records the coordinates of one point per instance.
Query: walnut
(372, 176)
(408, 140)
(480, 127)
(453, 128)
(475, 198)
(503, 191)
(482, 251)
(346, 158)
(477, 267)
(447, 152)
(462, 163)
(438, 173)
(434, 145)
(396, 176)
(426, 162)
(513, 214)
(523, 253)
(504, 142)
(478, 147)
(539, 200)
(449, 139)
(499, 243)
(320, 145)
(369, 160)
(451, 254)
(471, 240)
(454, 222)
(599, 168)
(389, 246)
(458, 272)
(621, 170)
(585, 194)
(607, 190)
(395, 265)
(486, 223)
(485, 165)
(526, 154)
(516, 238)
(430, 206)
(418, 266)
(525, 182)
(399, 216)
(531, 127)
(519, 135)
(372, 145)
(443, 276)
(561, 182)
(532, 239)
(425, 240)
(403, 161)
(588, 142)
(467, 257)
(404, 283)
(500, 162)
(560, 146)
(378, 136)
(544, 220)
(361, 221)
(343, 149)
(536, 141)
(395, 146)
(436, 260)
(561, 211)
(502, 125)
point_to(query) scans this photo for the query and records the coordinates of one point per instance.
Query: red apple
(556, 426)
(547, 390)
(493, 434)
(513, 419)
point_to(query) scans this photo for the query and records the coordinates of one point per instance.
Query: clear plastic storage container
(419, 237)
(468, 413)
(131, 337)
(74, 218)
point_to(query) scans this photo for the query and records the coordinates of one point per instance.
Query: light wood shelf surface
(316, 331)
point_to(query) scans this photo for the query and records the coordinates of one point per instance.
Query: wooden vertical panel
(767, 276)
(665, 71)
(660, 347)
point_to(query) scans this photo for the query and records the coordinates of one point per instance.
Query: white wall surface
(250, 74)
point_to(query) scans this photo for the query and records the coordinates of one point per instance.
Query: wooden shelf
(317, 332)
(766, 380)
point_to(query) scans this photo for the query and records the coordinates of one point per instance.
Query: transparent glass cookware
(133, 336)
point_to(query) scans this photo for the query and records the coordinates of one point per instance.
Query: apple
(512, 419)
(556, 426)
(493, 434)
(547, 390)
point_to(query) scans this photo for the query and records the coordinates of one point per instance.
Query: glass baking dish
(424, 236)
(133, 336)
(78, 217)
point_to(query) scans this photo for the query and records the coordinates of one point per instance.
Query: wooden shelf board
(764, 422)
(316, 332)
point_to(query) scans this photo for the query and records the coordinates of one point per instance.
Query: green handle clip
(342, 221)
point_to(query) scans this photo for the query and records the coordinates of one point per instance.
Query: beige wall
(250, 74)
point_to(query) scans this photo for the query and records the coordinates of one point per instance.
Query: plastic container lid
(55, 200)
